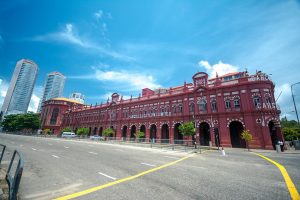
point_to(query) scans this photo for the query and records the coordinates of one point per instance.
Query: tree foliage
(290, 129)
(21, 122)
(47, 131)
(187, 129)
(82, 131)
(139, 134)
(247, 136)
(108, 132)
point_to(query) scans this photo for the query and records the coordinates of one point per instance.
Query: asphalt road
(58, 167)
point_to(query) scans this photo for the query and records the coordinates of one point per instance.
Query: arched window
(192, 107)
(256, 101)
(268, 99)
(202, 106)
(227, 104)
(54, 116)
(236, 102)
(214, 107)
(180, 108)
(174, 109)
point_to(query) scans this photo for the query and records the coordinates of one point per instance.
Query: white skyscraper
(20, 88)
(77, 97)
(54, 87)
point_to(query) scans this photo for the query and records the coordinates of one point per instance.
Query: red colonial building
(52, 113)
(221, 109)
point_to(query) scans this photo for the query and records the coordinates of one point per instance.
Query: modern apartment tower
(77, 97)
(53, 88)
(20, 88)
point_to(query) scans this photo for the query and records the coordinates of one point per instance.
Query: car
(68, 135)
(96, 137)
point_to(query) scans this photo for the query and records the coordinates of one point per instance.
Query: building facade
(77, 97)
(53, 111)
(221, 108)
(53, 88)
(20, 88)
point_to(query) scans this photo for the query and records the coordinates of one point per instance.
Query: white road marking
(55, 156)
(66, 147)
(148, 164)
(119, 150)
(93, 153)
(90, 146)
(113, 178)
(21, 145)
(171, 157)
(33, 149)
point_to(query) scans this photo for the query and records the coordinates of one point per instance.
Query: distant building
(20, 88)
(221, 108)
(54, 87)
(77, 97)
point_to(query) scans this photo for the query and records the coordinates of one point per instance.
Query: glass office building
(20, 88)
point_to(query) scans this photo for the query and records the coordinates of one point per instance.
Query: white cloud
(34, 103)
(285, 101)
(220, 68)
(98, 15)
(134, 81)
(69, 35)
(3, 89)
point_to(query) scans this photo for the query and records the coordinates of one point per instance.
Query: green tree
(21, 122)
(187, 129)
(47, 131)
(290, 129)
(139, 134)
(66, 129)
(108, 132)
(82, 131)
(247, 136)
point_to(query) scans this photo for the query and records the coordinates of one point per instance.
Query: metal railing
(2, 153)
(14, 174)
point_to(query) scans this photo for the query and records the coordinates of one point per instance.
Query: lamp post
(295, 103)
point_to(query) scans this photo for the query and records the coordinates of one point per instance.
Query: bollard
(223, 152)
(278, 149)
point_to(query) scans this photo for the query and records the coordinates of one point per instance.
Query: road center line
(33, 149)
(289, 183)
(100, 187)
(93, 153)
(113, 178)
(148, 164)
(55, 156)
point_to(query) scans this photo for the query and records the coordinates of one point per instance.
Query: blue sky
(123, 46)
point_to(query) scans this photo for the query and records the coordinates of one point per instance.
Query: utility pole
(295, 103)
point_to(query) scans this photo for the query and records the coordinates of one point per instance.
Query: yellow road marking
(87, 191)
(289, 183)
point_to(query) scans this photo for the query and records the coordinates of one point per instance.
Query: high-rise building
(54, 87)
(20, 88)
(77, 97)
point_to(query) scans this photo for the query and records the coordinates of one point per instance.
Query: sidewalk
(3, 185)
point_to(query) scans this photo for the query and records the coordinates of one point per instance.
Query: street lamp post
(295, 103)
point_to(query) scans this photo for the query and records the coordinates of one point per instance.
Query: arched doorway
(90, 131)
(153, 132)
(236, 129)
(165, 133)
(132, 132)
(95, 131)
(204, 133)
(124, 132)
(100, 131)
(272, 130)
(143, 129)
(178, 137)
(114, 131)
